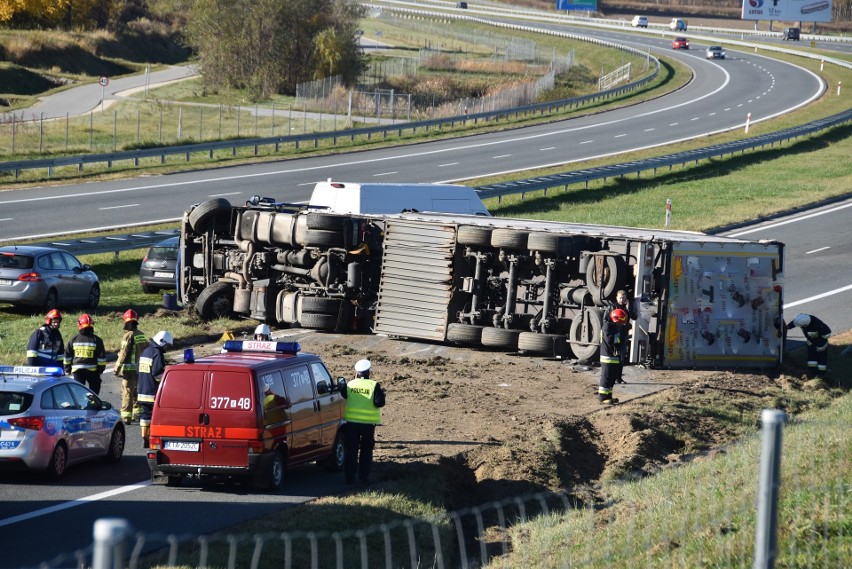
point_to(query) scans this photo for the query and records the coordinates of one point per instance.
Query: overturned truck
(509, 284)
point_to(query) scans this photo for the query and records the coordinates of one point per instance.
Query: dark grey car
(158, 267)
(46, 278)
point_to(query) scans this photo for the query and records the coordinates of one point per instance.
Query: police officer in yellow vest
(364, 398)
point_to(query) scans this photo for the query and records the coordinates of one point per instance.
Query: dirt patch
(496, 425)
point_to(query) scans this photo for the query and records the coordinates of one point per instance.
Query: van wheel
(334, 463)
(202, 217)
(173, 481)
(275, 472)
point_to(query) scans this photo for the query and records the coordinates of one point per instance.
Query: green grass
(702, 514)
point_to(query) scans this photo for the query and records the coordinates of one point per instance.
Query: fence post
(766, 540)
(110, 548)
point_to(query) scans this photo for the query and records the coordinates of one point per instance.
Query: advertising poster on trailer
(577, 5)
(787, 10)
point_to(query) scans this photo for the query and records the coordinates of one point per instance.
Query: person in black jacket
(621, 301)
(816, 334)
(613, 341)
(85, 356)
(46, 347)
(152, 364)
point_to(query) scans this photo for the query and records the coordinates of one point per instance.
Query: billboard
(579, 5)
(787, 10)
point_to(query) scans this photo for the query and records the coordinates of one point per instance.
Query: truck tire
(323, 238)
(325, 221)
(502, 338)
(553, 243)
(509, 239)
(215, 301)
(586, 328)
(613, 277)
(321, 305)
(327, 322)
(202, 218)
(548, 344)
(474, 235)
(464, 333)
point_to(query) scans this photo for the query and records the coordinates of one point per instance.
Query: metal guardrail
(111, 243)
(138, 240)
(670, 160)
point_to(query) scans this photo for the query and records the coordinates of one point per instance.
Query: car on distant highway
(157, 271)
(46, 278)
(49, 421)
(790, 34)
(680, 42)
(714, 52)
(640, 22)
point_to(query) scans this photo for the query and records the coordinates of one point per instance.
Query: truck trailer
(519, 285)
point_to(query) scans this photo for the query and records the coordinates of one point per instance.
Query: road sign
(103, 81)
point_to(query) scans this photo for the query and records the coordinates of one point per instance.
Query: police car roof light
(259, 346)
(50, 371)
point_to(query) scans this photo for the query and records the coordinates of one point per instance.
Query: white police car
(49, 421)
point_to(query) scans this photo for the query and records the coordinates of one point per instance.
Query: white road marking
(817, 297)
(73, 503)
(7, 219)
(649, 129)
(788, 221)
(587, 141)
(817, 250)
(619, 135)
(501, 156)
(385, 174)
(548, 148)
(673, 124)
(223, 195)
(119, 206)
(448, 164)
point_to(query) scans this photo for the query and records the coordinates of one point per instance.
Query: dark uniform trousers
(363, 436)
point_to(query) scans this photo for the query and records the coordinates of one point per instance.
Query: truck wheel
(321, 305)
(215, 301)
(334, 463)
(326, 322)
(323, 238)
(612, 276)
(509, 239)
(325, 221)
(202, 218)
(464, 333)
(500, 338)
(549, 243)
(586, 328)
(474, 235)
(549, 344)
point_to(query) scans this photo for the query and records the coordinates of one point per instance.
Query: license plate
(9, 445)
(5, 282)
(181, 445)
(160, 275)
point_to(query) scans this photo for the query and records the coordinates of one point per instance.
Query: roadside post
(765, 538)
(668, 212)
(103, 82)
(110, 548)
(748, 121)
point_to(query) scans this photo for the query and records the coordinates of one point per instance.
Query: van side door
(304, 413)
(331, 405)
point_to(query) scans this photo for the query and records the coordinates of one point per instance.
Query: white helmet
(262, 329)
(801, 320)
(362, 366)
(162, 338)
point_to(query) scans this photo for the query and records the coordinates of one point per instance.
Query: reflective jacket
(85, 352)
(151, 368)
(363, 399)
(613, 340)
(46, 347)
(132, 344)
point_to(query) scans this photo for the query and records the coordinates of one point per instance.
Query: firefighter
(262, 333)
(816, 334)
(623, 303)
(127, 365)
(152, 364)
(46, 347)
(85, 356)
(613, 340)
(364, 400)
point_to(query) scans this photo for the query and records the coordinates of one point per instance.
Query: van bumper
(256, 463)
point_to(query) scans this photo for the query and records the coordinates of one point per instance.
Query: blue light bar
(33, 370)
(259, 346)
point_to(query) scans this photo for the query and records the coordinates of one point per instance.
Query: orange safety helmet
(618, 316)
(52, 315)
(129, 315)
(84, 321)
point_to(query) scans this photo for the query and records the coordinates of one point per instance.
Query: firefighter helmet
(52, 315)
(618, 316)
(801, 320)
(84, 321)
(262, 330)
(129, 315)
(162, 338)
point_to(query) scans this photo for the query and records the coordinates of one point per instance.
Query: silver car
(48, 422)
(714, 52)
(46, 278)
